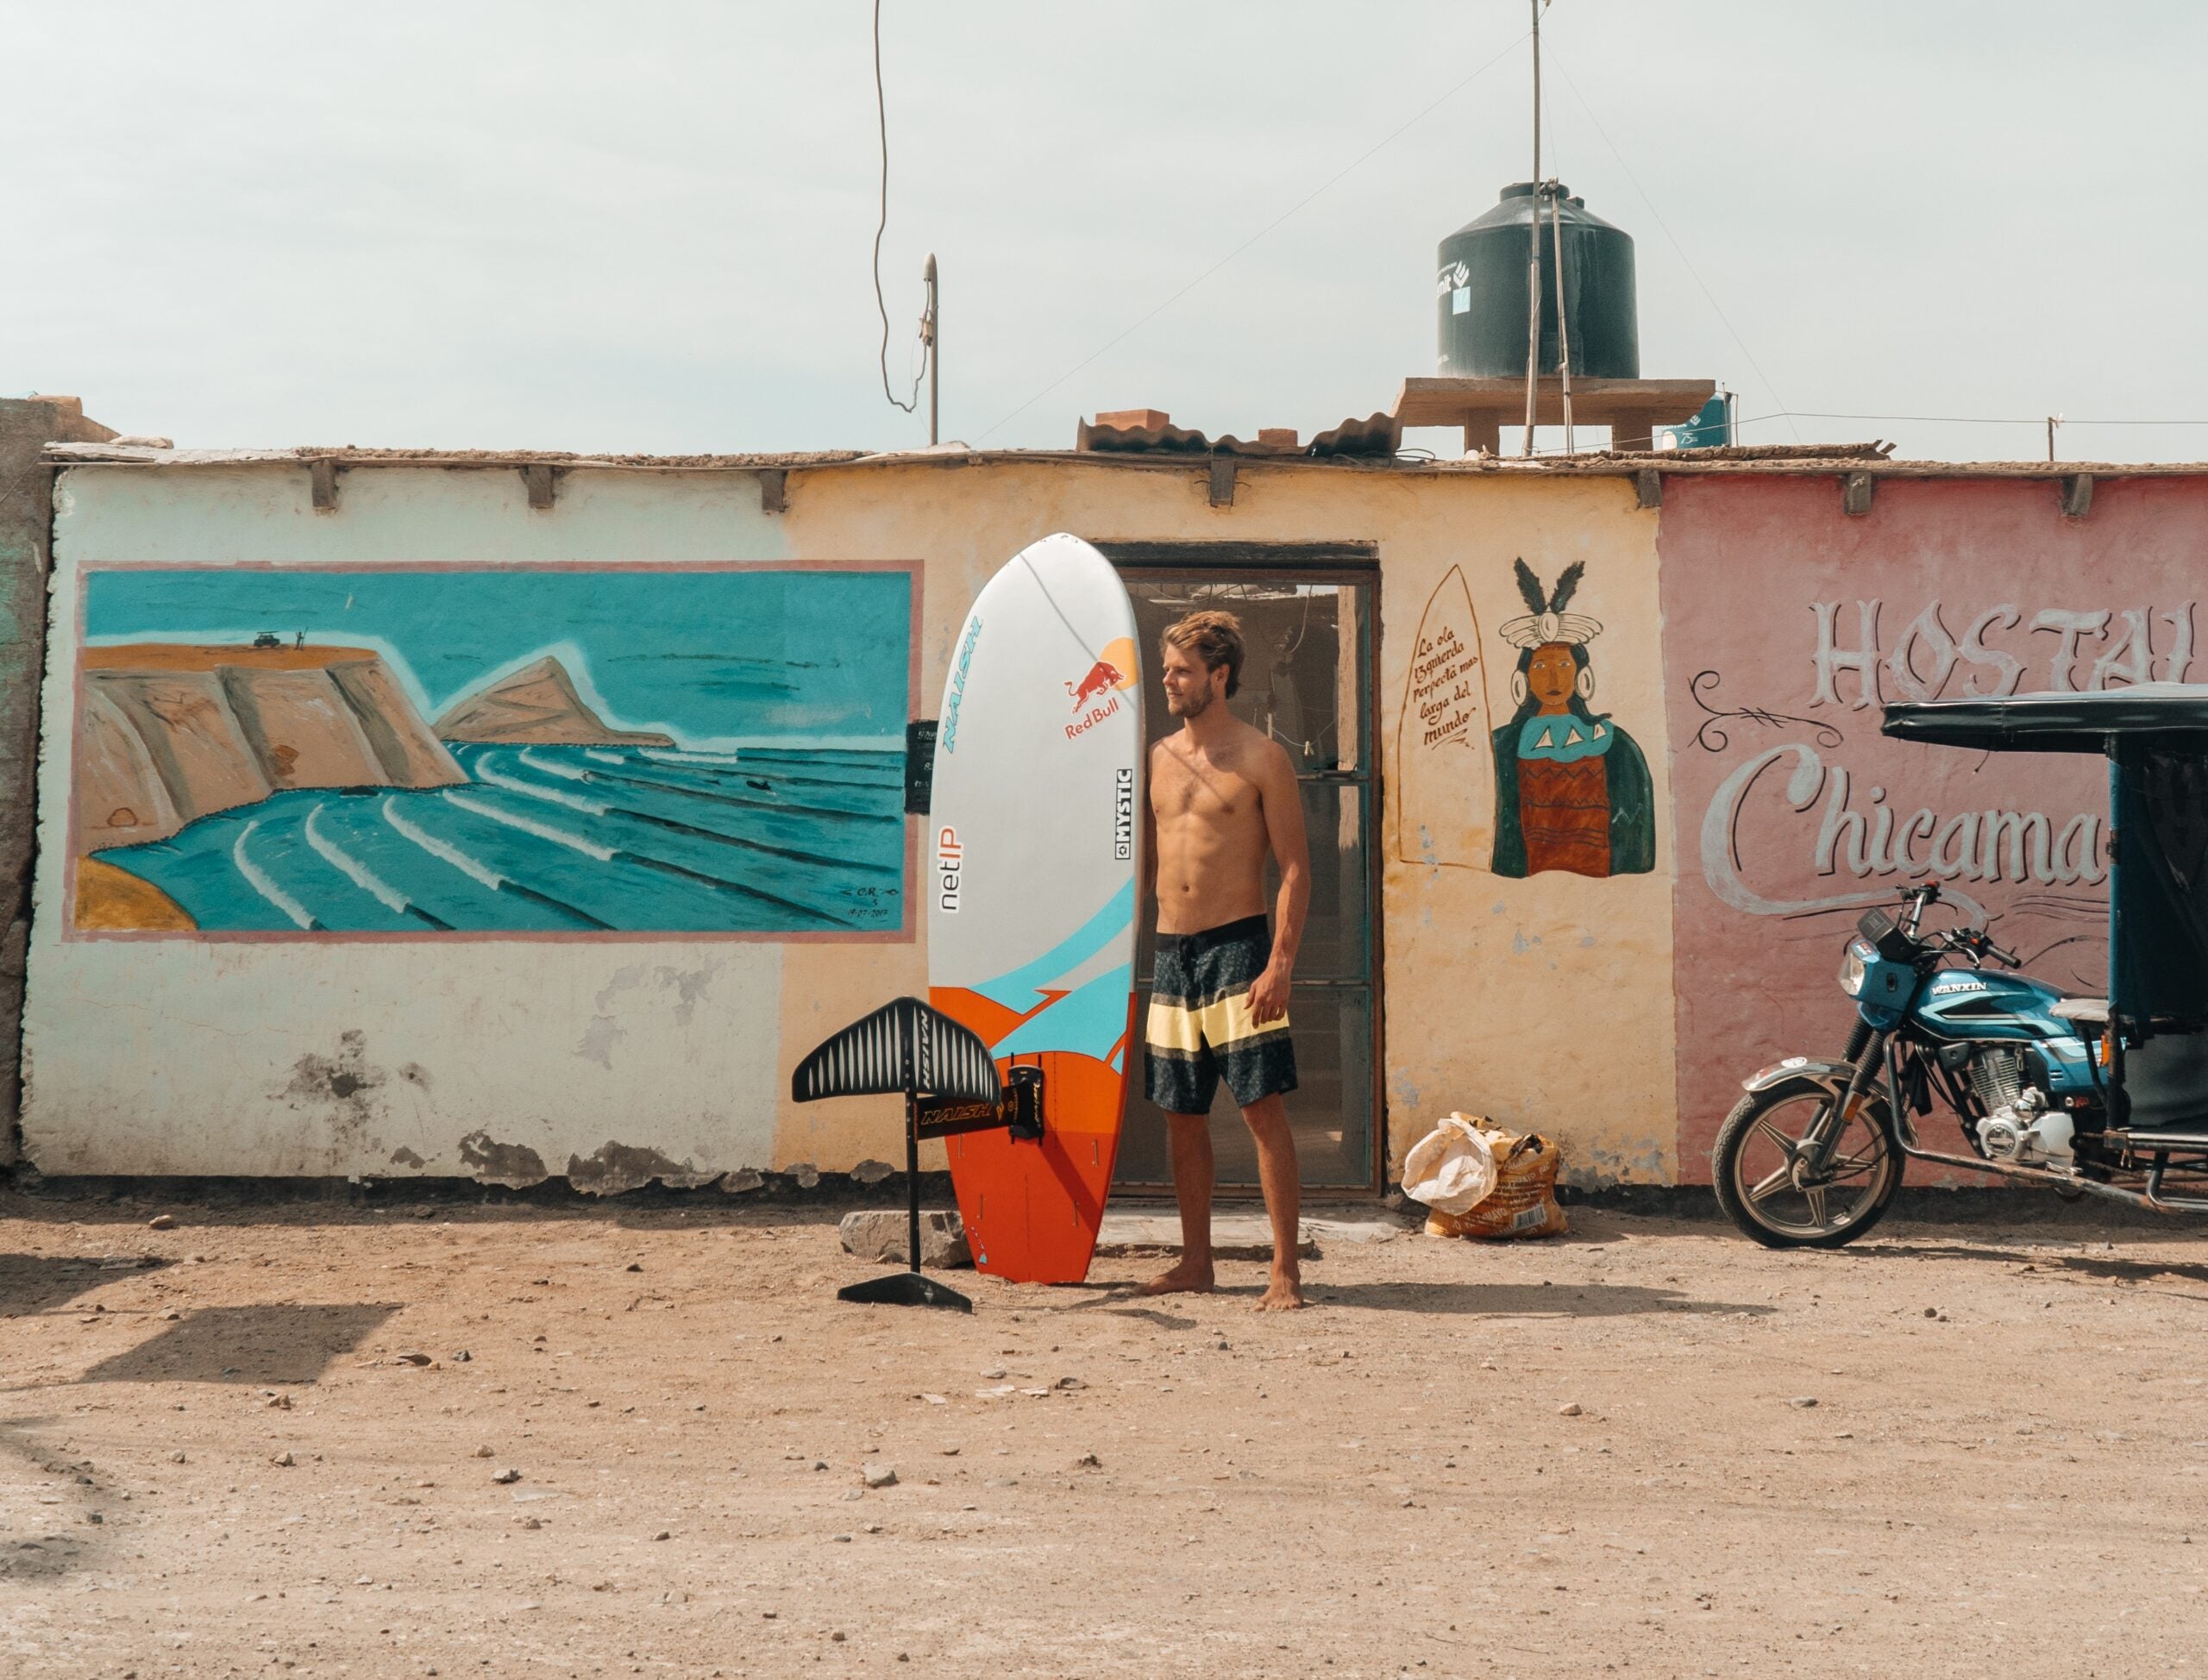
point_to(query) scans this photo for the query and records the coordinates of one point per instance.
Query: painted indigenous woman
(1571, 788)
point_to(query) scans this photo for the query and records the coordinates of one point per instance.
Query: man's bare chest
(1205, 793)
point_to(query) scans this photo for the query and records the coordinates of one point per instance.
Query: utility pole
(1533, 270)
(1563, 331)
(931, 341)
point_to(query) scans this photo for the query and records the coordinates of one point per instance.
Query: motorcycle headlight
(1853, 967)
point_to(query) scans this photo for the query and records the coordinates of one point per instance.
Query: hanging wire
(1354, 163)
(1959, 419)
(881, 308)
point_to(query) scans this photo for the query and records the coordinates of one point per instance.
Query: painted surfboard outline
(1035, 835)
(1444, 793)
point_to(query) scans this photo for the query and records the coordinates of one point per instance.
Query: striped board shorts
(1200, 1026)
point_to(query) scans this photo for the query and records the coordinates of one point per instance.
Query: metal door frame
(1347, 562)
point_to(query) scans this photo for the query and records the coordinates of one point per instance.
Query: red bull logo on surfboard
(1096, 697)
(1102, 677)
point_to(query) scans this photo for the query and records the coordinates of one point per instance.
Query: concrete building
(514, 816)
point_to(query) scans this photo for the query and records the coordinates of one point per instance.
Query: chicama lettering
(1860, 839)
(1864, 837)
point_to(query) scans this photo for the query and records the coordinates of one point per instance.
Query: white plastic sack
(1452, 1169)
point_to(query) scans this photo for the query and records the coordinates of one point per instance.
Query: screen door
(1308, 627)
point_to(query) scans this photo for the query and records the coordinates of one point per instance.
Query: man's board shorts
(1201, 1025)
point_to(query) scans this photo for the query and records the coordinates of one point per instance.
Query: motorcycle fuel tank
(1980, 1004)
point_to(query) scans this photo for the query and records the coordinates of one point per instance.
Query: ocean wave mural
(586, 751)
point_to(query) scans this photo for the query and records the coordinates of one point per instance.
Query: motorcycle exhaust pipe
(2091, 1187)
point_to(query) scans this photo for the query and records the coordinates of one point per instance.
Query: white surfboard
(1032, 840)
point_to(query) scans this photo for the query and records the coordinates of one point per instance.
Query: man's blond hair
(1214, 637)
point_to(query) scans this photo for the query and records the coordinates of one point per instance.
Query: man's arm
(1282, 802)
(1147, 871)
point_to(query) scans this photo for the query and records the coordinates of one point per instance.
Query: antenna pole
(1563, 332)
(931, 336)
(1534, 268)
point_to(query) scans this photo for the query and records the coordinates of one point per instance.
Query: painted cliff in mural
(524, 751)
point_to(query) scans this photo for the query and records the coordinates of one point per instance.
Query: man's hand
(1269, 995)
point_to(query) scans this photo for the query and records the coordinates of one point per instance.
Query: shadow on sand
(38, 1283)
(246, 1345)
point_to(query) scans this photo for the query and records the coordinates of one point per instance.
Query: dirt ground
(640, 1439)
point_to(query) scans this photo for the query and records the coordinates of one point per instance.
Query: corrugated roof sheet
(1797, 461)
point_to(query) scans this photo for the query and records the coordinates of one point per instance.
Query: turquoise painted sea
(559, 839)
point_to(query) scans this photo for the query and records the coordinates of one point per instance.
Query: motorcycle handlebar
(1979, 944)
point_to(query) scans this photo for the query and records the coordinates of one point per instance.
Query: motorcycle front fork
(1824, 1133)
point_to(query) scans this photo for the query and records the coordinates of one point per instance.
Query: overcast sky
(647, 227)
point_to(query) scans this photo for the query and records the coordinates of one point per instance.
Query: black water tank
(1481, 292)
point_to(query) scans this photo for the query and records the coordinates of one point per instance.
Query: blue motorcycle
(2087, 1096)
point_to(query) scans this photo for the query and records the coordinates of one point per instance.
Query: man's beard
(1192, 704)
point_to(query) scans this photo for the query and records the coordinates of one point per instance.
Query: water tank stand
(1632, 408)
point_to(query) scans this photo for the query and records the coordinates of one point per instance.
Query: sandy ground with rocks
(640, 1445)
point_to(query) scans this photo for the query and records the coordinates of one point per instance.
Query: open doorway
(1310, 625)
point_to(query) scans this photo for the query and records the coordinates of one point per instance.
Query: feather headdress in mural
(1546, 620)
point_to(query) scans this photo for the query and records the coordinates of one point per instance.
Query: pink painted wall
(1787, 624)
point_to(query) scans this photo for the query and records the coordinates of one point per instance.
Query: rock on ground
(885, 1236)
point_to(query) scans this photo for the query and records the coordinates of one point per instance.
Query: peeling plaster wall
(609, 1061)
(1791, 621)
(1544, 1000)
(27, 425)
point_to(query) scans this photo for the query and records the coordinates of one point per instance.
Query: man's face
(1189, 688)
(1552, 674)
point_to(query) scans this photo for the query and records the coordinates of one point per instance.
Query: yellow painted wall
(1545, 1001)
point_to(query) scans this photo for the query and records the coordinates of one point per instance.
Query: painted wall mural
(1571, 788)
(539, 750)
(1558, 786)
(1789, 624)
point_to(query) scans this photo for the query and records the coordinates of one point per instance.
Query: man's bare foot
(1283, 1295)
(1188, 1278)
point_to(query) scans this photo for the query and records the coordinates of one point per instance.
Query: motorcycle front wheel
(1760, 1170)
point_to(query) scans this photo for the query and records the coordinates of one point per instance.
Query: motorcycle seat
(2081, 1009)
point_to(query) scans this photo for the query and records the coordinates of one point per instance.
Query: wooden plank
(1456, 402)
(1265, 557)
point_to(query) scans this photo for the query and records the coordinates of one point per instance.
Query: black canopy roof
(2056, 722)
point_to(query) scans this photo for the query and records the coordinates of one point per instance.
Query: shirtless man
(1221, 795)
